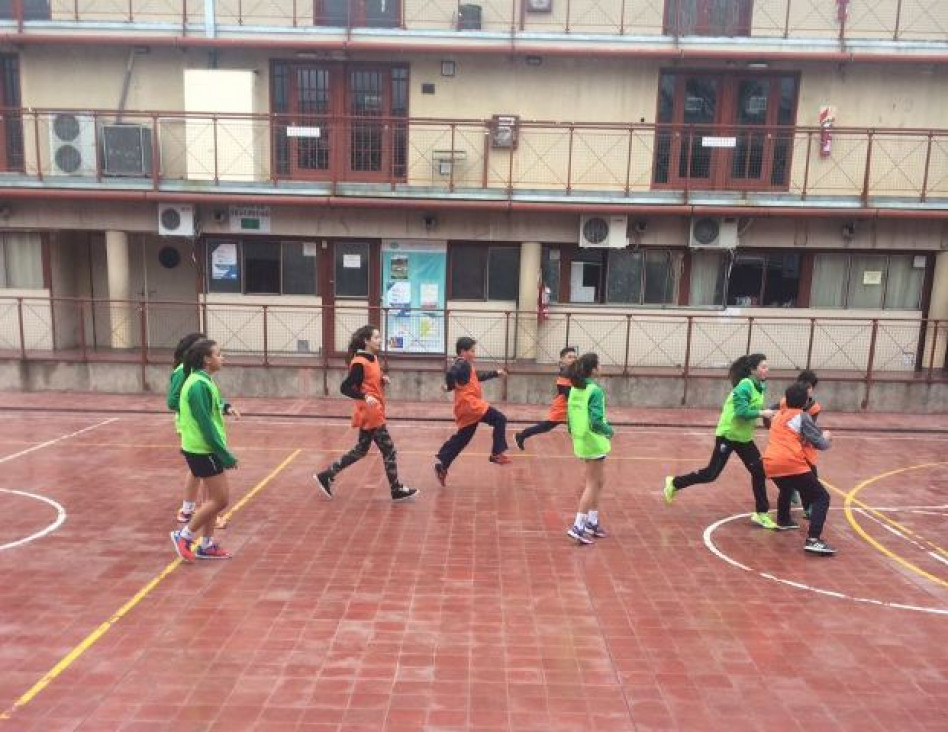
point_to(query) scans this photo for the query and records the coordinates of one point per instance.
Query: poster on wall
(413, 286)
(224, 262)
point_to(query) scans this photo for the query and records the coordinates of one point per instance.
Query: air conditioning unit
(126, 150)
(713, 232)
(176, 219)
(72, 144)
(603, 231)
(539, 6)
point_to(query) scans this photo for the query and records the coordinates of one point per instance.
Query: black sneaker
(441, 473)
(403, 493)
(518, 438)
(818, 546)
(789, 526)
(325, 484)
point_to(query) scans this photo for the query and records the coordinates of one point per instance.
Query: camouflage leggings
(383, 440)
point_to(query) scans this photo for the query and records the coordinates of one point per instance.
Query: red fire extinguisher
(543, 302)
(827, 119)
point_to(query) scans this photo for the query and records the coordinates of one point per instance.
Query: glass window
(261, 268)
(904, 280)
(624, 278)
(830, 275)
(764, 280)
(550, 263)
(866, 281)
(300, 261)
(352, 269)
(708, 273)
(660, 278)
(586, 275)
(21, 261)
(468, 268)
(503, 273)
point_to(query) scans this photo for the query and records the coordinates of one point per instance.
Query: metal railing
(678, 345)
(352, 156)
(925, 20)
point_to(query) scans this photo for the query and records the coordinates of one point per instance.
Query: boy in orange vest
(366, 385)
(788, 462)
(813, 408)
(557, 413)
(470, 409)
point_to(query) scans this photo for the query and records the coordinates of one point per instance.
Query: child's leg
(750, 456)
(709, 473)
(205, 518)
(595, 475)
(818, 499)
(383, 440)
(786, 487)
(498, 421)
(457, 442)
(354, 455)
(537, 429)
(191, 485)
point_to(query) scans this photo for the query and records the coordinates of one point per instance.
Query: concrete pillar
(121, 315)
(527, 331)
(938, 311)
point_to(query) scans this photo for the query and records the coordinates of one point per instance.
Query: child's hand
(371, 401)
(235, 413)
(828, 435)
(386, 380)
(444, 387)
(502, 372)
(767, 413)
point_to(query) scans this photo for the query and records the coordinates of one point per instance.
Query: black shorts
(203, 466)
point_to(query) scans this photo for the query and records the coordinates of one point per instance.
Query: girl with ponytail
(735, 433)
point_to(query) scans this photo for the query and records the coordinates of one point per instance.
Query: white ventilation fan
(72, 144)
(713, 232)
(176, 219)
(606, 232)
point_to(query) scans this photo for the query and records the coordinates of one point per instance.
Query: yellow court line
(104, 628)
(850, 498)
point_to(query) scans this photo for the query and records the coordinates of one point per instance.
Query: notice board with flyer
(414, 274)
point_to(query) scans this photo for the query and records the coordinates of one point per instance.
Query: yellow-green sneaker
(763, 519)
(669, 489)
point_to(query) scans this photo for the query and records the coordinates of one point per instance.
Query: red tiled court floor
(467, 609)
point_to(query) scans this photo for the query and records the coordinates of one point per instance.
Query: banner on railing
(413, 291)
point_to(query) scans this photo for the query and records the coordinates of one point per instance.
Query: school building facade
(668, 182)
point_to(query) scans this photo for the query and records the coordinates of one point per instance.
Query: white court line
(40, 446)
(712, 547)
(940, 558)
(60, 517)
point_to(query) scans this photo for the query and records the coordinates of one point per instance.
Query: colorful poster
(224, 262)
(413, 286)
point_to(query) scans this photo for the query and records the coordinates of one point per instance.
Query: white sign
(872, 277)
(252, 219)
(718, 142)
(224, 262)
(297, 131)
(918, 261)
(429, 294)
(310, 249)
(351, 261)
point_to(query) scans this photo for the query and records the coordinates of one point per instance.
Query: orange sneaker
(500, 458)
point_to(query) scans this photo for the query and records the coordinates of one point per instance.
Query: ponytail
(743, 366)
(195, 355)
(184, 344)
(581, 369)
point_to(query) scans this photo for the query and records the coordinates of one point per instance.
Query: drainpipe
(210, 23)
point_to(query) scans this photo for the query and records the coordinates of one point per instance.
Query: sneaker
(518, 438)
(212, 551)
(182, 547)
(184, 516)
(579, 535)
(764, 520)
(441, 473)
(595, 530)
(818, 546)
(403, 493)
(789, 526)
(669, 489)
(325, 484)
(795, 499)
(500, 458)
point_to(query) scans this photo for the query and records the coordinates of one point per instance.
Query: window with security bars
(708, 17)
(262, 267)
(11, 122)
(358, 13)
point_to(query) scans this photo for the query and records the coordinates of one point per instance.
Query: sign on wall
(250, 219)
(413, 290)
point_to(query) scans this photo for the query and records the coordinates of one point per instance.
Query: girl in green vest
(591, 433)
(204, 446)
(735, 433)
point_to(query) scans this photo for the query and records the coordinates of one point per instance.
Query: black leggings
(383, 440)
(458, 441)
(749, 455)
(538, 429)
(813, 494)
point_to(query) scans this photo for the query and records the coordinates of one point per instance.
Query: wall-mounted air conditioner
(176, 219)
(126, 150)
(713, 232)
(539, 6)
(72, 144)
(603, 231)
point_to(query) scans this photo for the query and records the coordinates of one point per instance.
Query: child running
(557, 413)
(204, 446)
(591, 433)
(788, 462)
(470, 409)
(365, 384)
(191, 484)
(813, 408)
(735, 433)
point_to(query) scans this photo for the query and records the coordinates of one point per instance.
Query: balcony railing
(908, 20)
(472, 159)
(660, 345)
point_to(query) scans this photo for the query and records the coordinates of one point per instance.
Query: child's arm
(563, 391)
(352, 386)
(597, 414)
(201, 403)
(487, 375)
(173, 399)
(813, 434)
(742, 401)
